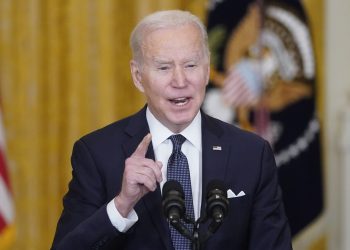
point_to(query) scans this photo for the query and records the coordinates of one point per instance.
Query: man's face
(173, 74)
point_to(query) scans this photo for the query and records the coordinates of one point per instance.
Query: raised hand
(140, 177)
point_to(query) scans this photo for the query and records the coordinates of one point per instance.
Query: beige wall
(337, 100)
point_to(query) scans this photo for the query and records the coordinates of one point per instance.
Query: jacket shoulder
(117, 131)
(232, 132)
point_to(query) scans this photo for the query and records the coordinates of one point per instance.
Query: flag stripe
(6, 207)
(3, 172)
(236, 92)
(2, 224)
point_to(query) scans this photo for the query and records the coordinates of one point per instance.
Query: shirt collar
(160, 133)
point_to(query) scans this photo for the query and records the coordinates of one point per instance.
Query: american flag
(242, 86)
(6, 200)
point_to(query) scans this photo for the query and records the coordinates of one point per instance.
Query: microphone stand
(196, 239)
(182, 229)
(196, 242)
(195, 234)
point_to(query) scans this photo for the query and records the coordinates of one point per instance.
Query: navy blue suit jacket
(245, 163)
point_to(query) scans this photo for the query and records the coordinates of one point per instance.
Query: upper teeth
(180, 101)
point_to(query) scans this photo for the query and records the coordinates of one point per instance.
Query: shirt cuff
(118, 221)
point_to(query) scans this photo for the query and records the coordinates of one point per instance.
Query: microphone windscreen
(216, 185)
(172, 185)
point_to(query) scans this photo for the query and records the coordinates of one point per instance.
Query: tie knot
(177, 141)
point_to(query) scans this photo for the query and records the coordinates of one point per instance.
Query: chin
(182, 120)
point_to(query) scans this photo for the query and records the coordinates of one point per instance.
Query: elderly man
(114, 199)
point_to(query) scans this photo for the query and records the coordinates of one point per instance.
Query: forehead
(178, 41)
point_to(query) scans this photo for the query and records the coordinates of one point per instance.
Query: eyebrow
(195, 58)
(161, 61)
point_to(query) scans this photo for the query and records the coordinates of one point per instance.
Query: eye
(163, 68)
(192, 65)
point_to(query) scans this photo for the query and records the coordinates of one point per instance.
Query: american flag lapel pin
(217, 148)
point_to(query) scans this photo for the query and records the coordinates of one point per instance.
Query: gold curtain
(64, 71)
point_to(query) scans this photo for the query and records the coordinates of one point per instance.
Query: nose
(179, 78)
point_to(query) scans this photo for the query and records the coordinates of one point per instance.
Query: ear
(208, 74)
(136, 75)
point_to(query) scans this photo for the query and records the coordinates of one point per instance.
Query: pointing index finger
(141, 149)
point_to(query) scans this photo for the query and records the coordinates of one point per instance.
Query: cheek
(154, 93)
(200, 84)
(157, 86)
(199, 77)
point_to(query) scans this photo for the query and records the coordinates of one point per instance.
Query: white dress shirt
(162, 147)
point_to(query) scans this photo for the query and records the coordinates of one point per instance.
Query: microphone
(217, 204)
(173, 203)
(173, 200)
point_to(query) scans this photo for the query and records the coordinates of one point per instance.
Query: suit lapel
(215, 153)
(137, 129)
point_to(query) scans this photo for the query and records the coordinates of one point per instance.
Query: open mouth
(180, 101)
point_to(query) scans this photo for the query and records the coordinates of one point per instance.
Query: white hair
(164, 19)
